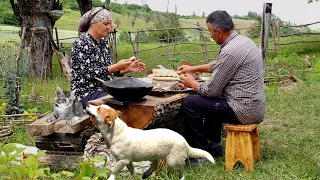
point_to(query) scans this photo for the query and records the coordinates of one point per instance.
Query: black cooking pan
(127, 89)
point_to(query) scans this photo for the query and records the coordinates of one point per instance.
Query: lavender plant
(13, 66)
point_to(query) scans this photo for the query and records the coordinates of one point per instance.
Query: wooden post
(57, 38)
(204, 45)
(138, 44)
(134, 50)
(115, 54)
(278, 34)
(265, 27)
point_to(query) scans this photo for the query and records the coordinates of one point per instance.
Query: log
(61, 142)
(60, 162)
(62, 127)
(154, 110)
(40, 127)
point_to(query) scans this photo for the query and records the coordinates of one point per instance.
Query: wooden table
(151, 112)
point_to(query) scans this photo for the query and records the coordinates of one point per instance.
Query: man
(234, 94)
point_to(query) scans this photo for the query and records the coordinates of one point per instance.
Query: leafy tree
(124, 37)
(117, 22)
(133, 21)
(203, 14)
(169, 20)
(147, 18)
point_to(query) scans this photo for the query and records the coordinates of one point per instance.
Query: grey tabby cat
(66, 107)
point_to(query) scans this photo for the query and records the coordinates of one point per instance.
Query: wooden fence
(271, 35)
(278, 35)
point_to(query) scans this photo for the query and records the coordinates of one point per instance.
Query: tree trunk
(85, 6)
(36, 27)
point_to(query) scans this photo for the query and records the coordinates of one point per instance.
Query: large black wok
(127, 89)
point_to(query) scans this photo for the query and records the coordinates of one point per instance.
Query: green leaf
(2, 167)
(56, 176)
(31, 174)
(3, 159)
(67, 173)
(31, 163)
(99, 159)
(21, 170)
(101, 172)
(9, 148)
(86, 170)
(41, 172)
(86, 178)
(41, 153)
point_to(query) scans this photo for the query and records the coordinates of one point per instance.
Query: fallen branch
(5, 131)
(17, 115)
(5, 134)
(64, 62)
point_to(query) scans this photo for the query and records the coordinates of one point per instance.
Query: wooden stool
(242, 145)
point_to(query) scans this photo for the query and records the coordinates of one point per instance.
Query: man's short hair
(220, 20)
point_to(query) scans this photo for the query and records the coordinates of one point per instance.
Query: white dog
(129, 145)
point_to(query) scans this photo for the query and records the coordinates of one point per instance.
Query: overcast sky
(295, 11)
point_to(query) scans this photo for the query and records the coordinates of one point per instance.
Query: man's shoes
(196, 162)
(215, 149)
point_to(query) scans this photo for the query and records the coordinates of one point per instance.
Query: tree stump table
(151, 112)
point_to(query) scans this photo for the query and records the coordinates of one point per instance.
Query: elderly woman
(91, 58)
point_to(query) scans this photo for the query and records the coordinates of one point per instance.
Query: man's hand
(189, 81)
(184, 69)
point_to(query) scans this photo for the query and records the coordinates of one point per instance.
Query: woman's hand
(184, 69)
(136, 66)
(123, 64)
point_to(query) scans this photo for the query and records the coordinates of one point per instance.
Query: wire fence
(194, 44)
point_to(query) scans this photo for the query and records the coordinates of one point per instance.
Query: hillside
(70, 19)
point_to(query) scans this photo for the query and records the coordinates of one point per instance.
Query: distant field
(67, 26)
(9, 33)
(70, 20)
(239, 23)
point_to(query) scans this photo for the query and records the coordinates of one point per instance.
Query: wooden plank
(62, 127)
(40, 127)
(240, 127)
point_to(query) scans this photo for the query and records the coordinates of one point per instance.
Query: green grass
(289, 135)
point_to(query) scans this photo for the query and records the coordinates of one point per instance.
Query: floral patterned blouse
(89, 60)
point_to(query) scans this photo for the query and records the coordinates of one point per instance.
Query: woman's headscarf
(93, 16)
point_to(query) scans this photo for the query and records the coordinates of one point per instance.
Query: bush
(124, 37)
(9, 18)
(115, 7)
(70, 4)
(170, 20)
